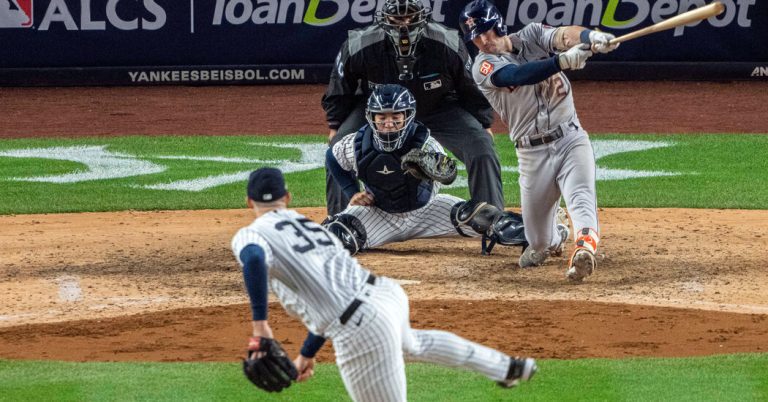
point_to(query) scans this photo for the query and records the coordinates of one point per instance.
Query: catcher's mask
(481, 16)
(391, 98)
(403, 21)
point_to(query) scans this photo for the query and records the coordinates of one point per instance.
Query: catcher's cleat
(520, 369)
(532, 258)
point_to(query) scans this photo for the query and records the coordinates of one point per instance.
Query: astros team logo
(486, 68)
(15, 13)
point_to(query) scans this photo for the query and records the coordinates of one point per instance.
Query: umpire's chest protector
(393, 190)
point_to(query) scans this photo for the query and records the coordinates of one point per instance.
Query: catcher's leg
(381, 227)
(436, 219)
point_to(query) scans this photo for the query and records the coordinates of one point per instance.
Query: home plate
(407, 282)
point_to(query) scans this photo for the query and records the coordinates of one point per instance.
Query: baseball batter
(395, 206)
(521, 75)
(366, 316)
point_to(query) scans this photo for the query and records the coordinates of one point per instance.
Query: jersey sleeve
(339, 98)
(484, 67)
(471, 99)
(246, 236)
(344, 152)
(539, 34)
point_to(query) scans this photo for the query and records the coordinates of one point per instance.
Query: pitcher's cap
(266, 184)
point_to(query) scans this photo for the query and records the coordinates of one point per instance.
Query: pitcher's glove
(426, 165)
(268, 366)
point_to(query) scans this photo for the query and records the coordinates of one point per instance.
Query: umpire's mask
(403, 21)
(390, 135)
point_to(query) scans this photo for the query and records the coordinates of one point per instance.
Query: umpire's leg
(459, 132)
(335, 199)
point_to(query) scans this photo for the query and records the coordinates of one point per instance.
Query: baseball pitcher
(365, 316)
(521, 74)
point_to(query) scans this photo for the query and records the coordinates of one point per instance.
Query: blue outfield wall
(202, 42)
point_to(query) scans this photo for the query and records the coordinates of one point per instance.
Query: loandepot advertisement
(289, 41)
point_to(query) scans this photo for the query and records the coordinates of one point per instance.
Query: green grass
(742, 377)
(710, 171)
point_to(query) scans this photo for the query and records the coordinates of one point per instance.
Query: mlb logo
(16, 13)
(428, 86)
(486, 68)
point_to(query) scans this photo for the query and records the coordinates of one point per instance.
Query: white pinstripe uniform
(316, 279)
(565, 166)
(431, 220)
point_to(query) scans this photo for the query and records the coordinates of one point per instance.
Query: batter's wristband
(584, 37)
(334, 125)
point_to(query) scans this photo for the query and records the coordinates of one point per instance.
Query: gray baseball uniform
(431, 220)
(316, 279)
(554, 153)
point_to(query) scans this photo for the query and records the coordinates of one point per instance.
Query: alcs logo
(15, 13)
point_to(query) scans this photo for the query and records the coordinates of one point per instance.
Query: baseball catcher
(268, 366)
(400, 165)
(426, 165)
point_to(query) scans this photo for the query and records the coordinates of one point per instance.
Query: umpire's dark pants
(456, 130)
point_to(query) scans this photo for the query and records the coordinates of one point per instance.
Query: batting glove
(574, 58)
(599, 41)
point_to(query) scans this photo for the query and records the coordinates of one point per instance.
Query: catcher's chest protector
(393, 190)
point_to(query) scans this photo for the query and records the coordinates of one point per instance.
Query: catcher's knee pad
(476, 214)
(348, 229)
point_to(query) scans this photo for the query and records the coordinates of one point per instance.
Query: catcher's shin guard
(478, 215)
(583, 262)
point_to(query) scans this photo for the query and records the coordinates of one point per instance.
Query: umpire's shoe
(520, 369)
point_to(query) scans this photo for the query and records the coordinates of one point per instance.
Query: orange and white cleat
(583, 258)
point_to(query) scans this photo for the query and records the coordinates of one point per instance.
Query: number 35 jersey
(310, 272)
(528, 110)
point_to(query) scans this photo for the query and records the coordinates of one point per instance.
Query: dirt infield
(163, 285)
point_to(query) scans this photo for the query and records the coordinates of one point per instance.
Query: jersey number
(311, 239)
(557, 87)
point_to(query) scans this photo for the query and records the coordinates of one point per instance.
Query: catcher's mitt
(268, 366)
(426, 165)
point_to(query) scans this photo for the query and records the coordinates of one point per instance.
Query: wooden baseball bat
(697, 14)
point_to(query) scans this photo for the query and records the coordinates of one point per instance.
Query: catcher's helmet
(480, 16)
(391, 98)
(403, 21)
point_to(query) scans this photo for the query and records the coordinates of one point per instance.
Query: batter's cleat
(532, 258)
(563, 231)
(562, 217)
(520, 369)
(582, 265)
